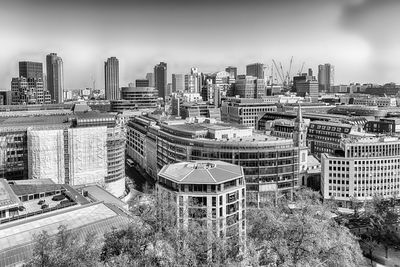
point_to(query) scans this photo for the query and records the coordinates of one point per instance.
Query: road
(138, 178)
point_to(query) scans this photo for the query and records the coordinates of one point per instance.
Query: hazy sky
(360, 37)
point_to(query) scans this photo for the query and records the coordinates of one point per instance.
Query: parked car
(65, 202)
(21, 208)
(58, 197)
(45, 206)
(41, 202)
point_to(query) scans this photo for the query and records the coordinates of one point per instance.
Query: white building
(362, 168)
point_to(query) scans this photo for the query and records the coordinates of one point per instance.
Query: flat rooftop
(201, 172)
(371, 139)
(16, 238)
(96, 193)
(7, 196)
(34, 121)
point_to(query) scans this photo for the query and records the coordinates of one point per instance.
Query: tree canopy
(300, 233)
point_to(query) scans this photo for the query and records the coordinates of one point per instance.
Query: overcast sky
(360, 37)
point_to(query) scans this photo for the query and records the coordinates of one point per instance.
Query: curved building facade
(115, 179)
(209, 191)
(270, 164)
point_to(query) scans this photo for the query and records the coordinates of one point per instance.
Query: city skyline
(355, 36)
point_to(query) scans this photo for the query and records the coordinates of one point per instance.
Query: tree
(301, 234)
(382, 215)
(64, 249)
(158, 240)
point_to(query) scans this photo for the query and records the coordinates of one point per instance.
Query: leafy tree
(64, 249)
(382, 215)
(301, 234)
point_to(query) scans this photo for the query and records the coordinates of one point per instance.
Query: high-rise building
(326, 75)
(25, 91)
(232, 72)
(308, 88)
(142, 83)
(55, 77)
(256, 70)
(178, 82)
(193, 82)
(249, 87)
(111, 75)
(160, 79)
(29, 69)
(150, 78)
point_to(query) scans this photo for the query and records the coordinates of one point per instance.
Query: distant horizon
(356, 36)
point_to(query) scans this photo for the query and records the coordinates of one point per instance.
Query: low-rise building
(81, 148)
(245, 111)
(271, 164)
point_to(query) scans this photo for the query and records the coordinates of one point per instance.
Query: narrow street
(138, 178)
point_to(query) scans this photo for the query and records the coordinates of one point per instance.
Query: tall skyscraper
(326, 75)
(29, 69)
(55, 77)
(178, 82)
(256, 70)
(111, 77)
(160, 79)
(150, 78)
(232, 72)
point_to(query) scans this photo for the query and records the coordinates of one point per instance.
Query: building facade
(142, 83)
(308, 88)
(211, 192)
(160, 79)
(55, 77)
(232, 72)
(111, 77)
(249, 87)
(150, 78)
(133, 98)
(72, 149)
(255, 70)
(178, 83)
(326, 77)
(245, 111)
(271, 164)
(325, 136)
(29, 69)
(363, 168)
(26, 91)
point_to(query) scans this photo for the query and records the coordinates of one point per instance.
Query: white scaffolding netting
(46, 155)
(88, 155)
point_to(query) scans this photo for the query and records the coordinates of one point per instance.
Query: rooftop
(96, 193)
(201, 172)
(7, 196)
(370, 139)
(16, 238)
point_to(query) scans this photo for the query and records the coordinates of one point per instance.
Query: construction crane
(301, 69)
(279, 73)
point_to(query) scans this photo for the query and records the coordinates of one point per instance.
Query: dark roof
(7, 195)
(29, 189)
